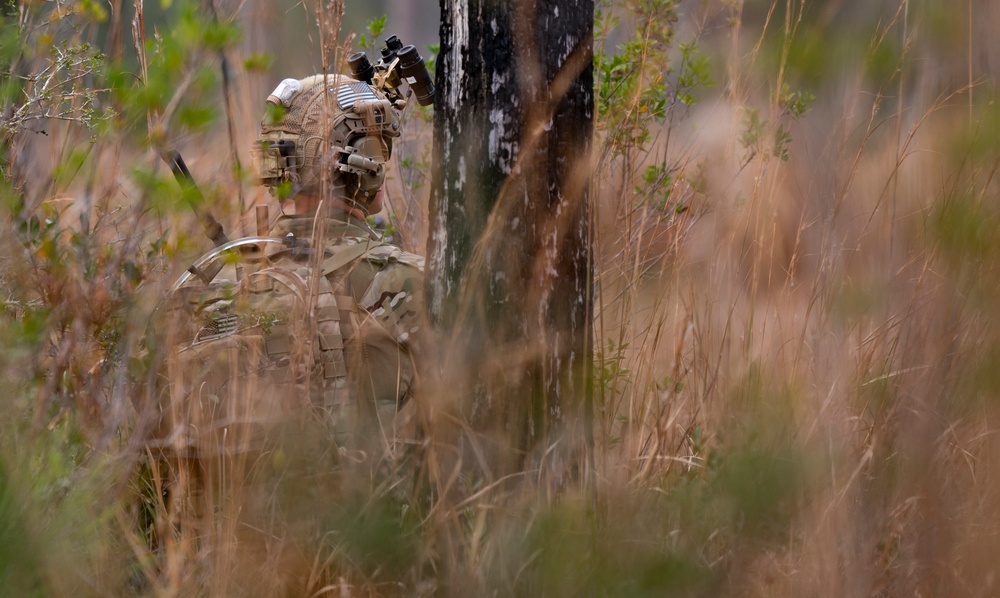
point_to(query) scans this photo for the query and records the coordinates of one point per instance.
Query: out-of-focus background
(288, 29)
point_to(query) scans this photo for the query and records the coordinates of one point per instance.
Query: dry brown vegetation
(798, 349)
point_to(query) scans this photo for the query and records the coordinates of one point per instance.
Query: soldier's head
(327, 138)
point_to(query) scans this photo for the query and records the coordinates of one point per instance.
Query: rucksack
(266, 339)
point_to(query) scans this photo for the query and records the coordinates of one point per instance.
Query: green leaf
(258, 62)
(376, 26)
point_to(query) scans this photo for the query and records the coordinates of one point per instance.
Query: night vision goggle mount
(398, 63)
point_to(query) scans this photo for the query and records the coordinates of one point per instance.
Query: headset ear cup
(372, 147)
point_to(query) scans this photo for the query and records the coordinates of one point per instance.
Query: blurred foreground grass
(798, 345)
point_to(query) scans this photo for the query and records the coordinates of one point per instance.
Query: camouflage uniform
(321, 325)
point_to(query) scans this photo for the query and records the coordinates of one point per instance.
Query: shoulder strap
(347, 255)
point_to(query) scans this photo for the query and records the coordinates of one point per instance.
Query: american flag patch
(349, 94)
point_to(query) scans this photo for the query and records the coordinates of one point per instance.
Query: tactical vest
(268, 329)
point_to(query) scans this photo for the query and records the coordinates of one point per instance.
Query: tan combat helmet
(339, 126)
(330, 123)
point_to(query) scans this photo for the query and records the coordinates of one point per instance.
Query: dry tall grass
(797, 370)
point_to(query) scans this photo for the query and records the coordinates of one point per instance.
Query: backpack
(267, 338)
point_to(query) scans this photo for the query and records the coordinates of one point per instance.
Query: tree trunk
(509, 260)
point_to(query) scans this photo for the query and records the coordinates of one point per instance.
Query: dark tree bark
(509, 244)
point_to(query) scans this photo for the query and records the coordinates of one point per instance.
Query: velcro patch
(351, 93)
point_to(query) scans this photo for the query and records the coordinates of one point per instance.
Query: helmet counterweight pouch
(277, 161)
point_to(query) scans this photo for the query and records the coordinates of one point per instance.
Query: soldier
(291, 352)
(319, 317)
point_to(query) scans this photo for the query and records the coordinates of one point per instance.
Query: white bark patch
(551, 257)
(498, 140)
(498, 80)
(440, 236)
(570, 44)
(460, 31)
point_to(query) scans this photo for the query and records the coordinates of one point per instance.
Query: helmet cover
(344, 128)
